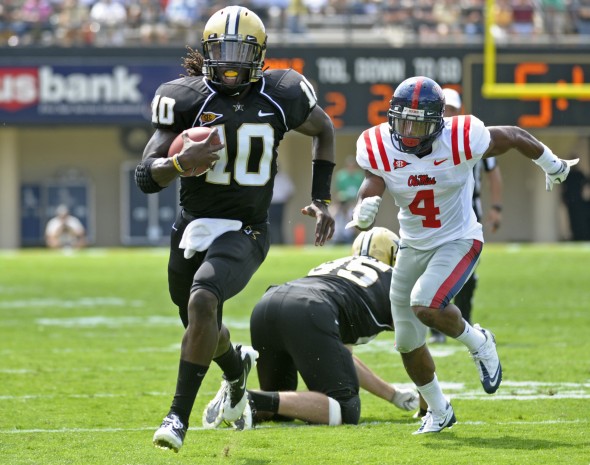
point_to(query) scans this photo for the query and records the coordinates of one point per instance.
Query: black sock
(230, 363)
(265, 401)
(190, 376)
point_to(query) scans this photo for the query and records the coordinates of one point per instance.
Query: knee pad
(347, 412)
(409, 335)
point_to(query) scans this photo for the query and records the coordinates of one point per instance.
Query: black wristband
(321, 179)
(497, 207)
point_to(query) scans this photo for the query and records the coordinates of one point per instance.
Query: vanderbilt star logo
(238, 107)
(248, 231)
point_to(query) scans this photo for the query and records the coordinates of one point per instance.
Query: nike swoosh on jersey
(261, 113)
(438, 162)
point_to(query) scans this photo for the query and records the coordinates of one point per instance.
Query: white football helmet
(234, 46)
(377, 242)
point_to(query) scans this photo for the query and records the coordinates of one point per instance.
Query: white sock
(434, 396)
(472, 338)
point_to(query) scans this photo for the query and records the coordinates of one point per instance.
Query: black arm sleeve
(321, 180)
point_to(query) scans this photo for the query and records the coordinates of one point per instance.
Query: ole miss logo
(397, 164)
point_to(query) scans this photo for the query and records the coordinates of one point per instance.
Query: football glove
(561, 174)
(364, 214)
(406, 399)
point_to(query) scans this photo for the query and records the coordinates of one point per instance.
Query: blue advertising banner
(80, 94)
(353, 85)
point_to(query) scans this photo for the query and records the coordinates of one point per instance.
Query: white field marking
(279, 425)
(387, 346)
(119, 321)
(84, 302)
(100, 395)
(521, 390)
(515, 390)
(108, 322)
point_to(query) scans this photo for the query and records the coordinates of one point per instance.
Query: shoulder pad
(176, 103)
(287, 84)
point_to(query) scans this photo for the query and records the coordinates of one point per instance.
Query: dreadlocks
(193, 62)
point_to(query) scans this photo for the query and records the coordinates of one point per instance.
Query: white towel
(200, 233)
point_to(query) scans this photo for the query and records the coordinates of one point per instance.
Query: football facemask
(234, 46)
(415, 115)
(377, 242)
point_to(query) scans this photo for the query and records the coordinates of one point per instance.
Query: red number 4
(423, 205)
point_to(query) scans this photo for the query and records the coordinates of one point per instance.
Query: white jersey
(433, 193)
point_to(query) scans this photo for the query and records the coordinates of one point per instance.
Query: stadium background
(73, 123)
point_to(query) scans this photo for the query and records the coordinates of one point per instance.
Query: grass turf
(89, 347)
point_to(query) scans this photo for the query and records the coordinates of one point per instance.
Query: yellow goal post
(493, 90)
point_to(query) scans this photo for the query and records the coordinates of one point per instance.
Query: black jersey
(359, 287)
(240, 185)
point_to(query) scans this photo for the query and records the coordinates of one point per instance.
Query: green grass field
(89, 346)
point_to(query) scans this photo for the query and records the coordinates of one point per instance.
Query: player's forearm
(323, 146)
(505, 138)
(372, 383)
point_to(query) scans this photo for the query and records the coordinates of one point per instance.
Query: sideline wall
(49, 133)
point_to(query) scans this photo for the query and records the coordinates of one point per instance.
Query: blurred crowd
(157, 22)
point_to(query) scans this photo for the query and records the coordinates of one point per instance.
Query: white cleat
(487, 362)
(433, 423)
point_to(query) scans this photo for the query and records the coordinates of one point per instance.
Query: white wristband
(548, 161)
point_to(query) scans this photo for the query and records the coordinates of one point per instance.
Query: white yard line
(267, 426)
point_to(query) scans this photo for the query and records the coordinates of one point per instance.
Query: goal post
(494, 90)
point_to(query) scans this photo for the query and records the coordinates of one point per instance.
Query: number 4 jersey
(240, 185)
(433, 193)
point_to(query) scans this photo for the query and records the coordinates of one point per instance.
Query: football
(196, 134)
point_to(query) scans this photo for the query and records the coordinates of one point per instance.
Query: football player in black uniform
(309, 325)
(222, 227)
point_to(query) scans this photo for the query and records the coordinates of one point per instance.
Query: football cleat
(406, 399)
(212, 413)
(432, 423)
(231, 400)
(487, 362)
(170, 434)
(246, 420)
(420, 413)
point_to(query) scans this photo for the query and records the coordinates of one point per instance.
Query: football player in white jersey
(489, 166)
(426, 163)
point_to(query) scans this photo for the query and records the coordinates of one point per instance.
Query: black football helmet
(415, 115)
(234, 46)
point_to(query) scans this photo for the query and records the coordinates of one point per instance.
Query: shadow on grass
(505, 442)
